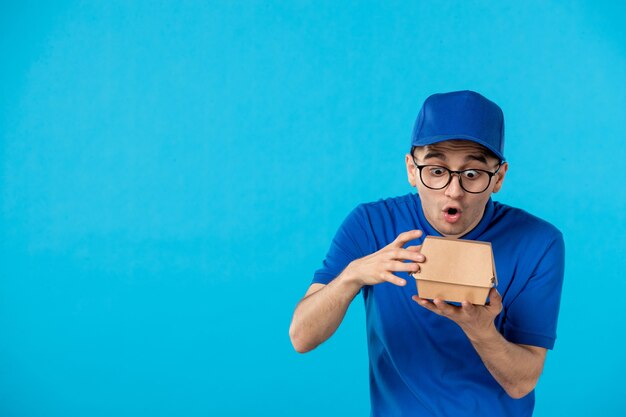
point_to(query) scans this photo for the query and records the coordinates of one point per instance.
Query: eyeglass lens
(473, 181)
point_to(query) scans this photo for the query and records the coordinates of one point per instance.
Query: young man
(429, 357)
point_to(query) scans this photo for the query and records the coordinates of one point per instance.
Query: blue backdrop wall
(171, 174)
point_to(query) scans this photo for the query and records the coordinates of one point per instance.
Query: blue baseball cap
(460, 115)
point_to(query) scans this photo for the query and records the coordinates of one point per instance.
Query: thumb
(495, 299)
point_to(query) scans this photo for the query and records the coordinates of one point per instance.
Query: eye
(472, 174)
(437, 171)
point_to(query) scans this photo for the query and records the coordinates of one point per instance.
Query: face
(452, 211)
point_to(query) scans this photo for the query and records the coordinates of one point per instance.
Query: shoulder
(384, 219)
(522, 225)
(389, 206)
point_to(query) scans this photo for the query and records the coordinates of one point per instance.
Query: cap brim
(442, 138)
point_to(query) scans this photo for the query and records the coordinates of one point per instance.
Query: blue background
(171, 174)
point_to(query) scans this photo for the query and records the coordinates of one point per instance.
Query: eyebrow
(434, 154)
(479, 158)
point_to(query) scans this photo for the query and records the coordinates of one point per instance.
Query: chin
(452, 230)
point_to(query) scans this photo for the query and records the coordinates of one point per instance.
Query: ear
(410, 170)
(500, 177)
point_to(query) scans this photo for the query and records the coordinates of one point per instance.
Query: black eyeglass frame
(450, 173)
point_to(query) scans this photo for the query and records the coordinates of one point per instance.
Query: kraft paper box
(456, 270)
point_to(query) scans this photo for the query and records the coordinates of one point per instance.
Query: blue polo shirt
(422, 364)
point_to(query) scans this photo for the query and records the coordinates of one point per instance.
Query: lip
(452, 218)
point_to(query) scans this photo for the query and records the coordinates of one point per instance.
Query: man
(430, 357)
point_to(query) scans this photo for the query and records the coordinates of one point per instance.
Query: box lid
(454, 261)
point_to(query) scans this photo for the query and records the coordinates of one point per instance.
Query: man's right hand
(380, 266)
(323, 307)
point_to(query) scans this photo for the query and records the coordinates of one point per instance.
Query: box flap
(454, 261)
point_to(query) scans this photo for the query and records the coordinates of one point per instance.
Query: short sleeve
(350, 242)
(531, 319)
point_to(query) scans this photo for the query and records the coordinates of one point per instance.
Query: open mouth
(452, 215)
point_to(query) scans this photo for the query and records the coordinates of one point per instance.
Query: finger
(419, 300)
(389, 277)
(495, 300)
(428, 305)
(468, 308)
(414, 248)
(408, 255)
(445, 308)
(417, 271)
(397, 266)
(495, 296)
(405, 237)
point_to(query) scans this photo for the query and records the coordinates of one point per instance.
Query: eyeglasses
(474, 181)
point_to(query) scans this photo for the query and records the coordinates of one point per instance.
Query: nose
(454, 190)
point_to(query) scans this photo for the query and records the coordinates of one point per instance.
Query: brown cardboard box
(456, 270)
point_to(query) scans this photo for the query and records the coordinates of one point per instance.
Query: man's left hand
(475, 320)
